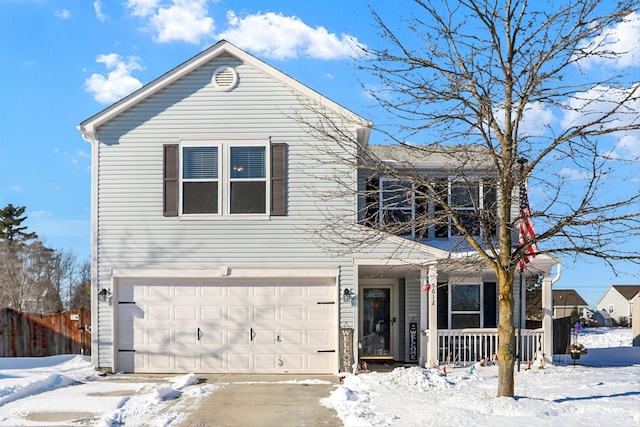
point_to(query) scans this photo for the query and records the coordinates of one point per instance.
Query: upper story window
(220, 178)
(411, 210)
(201, 180)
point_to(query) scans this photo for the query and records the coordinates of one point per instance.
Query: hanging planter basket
(576, 350)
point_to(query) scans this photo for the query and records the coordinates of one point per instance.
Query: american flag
(525, 229)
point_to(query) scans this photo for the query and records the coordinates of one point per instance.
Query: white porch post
(424, 307)
(547, 318)
(432, 301)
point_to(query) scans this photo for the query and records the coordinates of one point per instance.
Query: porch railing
(467, 346)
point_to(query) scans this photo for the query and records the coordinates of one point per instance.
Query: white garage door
(235, 326)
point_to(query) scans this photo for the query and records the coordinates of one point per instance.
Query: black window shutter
(490, 308)
(170, 175)
(443, 306)
(278, 179)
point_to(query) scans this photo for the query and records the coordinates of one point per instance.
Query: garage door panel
(158, 312)
(186, 361)
(211, 313)
(160, 291)
(319, 338)
(239, 362)
(160, 337)
(186, 291)
(265, 362)
(212, 362)
(238, 337)
(185, 312)
(292, 313)
(318, 313)
(264, 336)
(292, 337)
(265, 313)
(213, 338)
(240, 314)
(185, 337)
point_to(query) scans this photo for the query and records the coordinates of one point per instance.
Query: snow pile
(605, 337)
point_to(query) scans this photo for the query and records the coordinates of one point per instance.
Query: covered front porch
(416, 314)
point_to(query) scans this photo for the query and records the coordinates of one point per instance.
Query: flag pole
(521, 161)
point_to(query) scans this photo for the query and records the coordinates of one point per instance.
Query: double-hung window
(397, 207)
(465, 306)
(247, 180)
(201, 180)
(224, 178)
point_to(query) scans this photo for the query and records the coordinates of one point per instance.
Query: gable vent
(225, 78)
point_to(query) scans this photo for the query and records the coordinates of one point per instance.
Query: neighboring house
(565, 300)
(617, 301)
(210, 246)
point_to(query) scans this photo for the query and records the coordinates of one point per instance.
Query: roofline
(89, 126)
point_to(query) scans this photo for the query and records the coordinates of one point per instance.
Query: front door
(377, 322)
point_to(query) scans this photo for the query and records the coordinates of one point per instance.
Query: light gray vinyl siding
(132, 231)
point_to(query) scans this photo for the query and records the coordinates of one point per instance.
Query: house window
(224, 179)
(247, 180)
(399, 207)
(610, 308)
(200, 180)
(465, 306)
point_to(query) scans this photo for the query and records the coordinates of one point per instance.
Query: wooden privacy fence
(33, 335)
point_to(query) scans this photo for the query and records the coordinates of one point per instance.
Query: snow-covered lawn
(607, 392)
(603, 389)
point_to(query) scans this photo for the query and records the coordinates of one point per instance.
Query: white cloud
(177, 20)
(536, 119)
(592, 104)
(62, 14)
(143, 8)
(622, 41)
(273, 35)
(573, 174)
(118, 83)
(627, 148)
(97, 7)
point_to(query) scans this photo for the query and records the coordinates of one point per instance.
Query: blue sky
(65, 60)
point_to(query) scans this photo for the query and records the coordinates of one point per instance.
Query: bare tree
(81, 288)
(476, 86)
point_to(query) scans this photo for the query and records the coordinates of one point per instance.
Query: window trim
(480, 310)
(224, 178)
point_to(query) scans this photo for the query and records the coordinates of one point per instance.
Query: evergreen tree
(10, 219)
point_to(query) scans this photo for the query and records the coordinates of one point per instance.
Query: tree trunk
(506, 335)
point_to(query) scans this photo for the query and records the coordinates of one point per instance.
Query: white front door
(231, 326)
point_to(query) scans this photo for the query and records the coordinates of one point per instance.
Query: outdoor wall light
(347, 295)
(103, 295)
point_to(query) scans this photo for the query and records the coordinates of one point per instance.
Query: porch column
(547, 318)
(432, 301)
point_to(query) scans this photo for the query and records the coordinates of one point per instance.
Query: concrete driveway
(264, 401)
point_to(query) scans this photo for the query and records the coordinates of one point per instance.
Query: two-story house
(617, 301)
(210, 245)
(566, 300)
